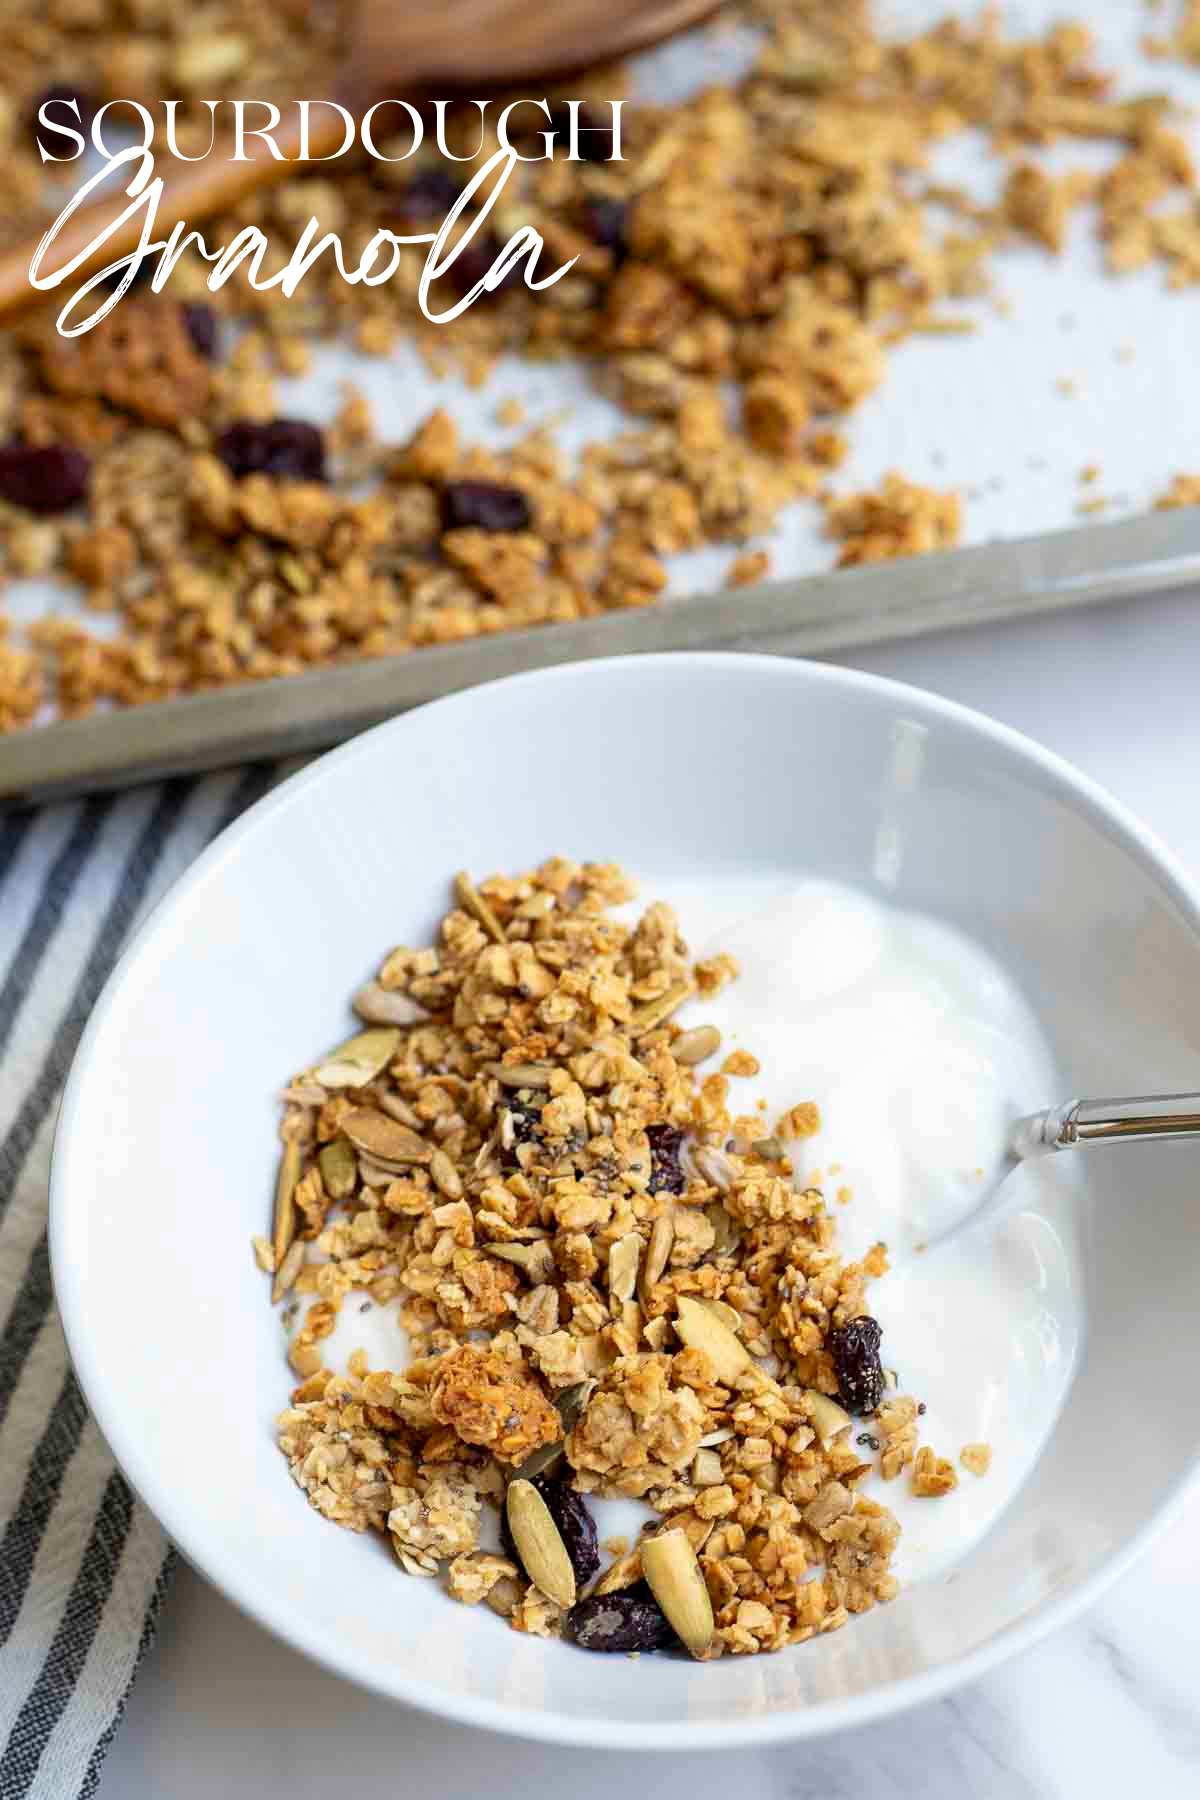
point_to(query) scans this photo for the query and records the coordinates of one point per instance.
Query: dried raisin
(629, 1620)
(525, 1110)
(484, 505)
(473, 262)
(666, 1170)
(45, 478)
(606, 222)
(290, 449)
(429, 195)
(855, 1351)
(200, 322)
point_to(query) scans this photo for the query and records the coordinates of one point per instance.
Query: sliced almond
(384, 1139)
(539, 1543)
(658, 1252)
(728, 1315)
(377, 1005)
(472, 901)
(828, 1418)
(695, 1046)
(623, 1260)
(359, 1060)
(520, 1075)
(339, 1169)
(286, 1273)
(700, 1329)
(264, 1255)
(284, 1227)
(677, 1583)
(660, 1008)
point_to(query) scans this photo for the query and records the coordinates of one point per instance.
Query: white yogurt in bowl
(919, 1050)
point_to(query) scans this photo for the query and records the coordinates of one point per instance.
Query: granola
(605, 1293)
(766, 243)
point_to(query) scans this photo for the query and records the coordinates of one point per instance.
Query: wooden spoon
(490, 43)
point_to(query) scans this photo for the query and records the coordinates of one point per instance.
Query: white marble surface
(1110, 1702)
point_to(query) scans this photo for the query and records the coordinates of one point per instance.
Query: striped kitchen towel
(83, 1566)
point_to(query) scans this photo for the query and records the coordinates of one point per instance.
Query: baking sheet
(1080, 369)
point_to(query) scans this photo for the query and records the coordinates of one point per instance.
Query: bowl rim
(183, 1525)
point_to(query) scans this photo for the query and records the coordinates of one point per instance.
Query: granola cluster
(742, 276)
(607, 1275)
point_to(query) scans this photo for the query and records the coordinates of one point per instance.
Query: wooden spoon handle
(191, 191)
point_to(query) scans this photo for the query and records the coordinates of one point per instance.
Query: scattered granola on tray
(606, 1292)
(742, 277)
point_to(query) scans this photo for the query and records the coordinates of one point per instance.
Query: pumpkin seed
(384, 1139)
(728, 1237)
(358, 1060)
(570, 1403)
(339, 1169)
(540, 1544)
(284, 1227)
(695, 1046)
(472, 901)
(660, 1008)
(700, 1329)
(670, 1566)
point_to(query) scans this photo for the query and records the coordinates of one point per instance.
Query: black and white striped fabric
(83, 1566)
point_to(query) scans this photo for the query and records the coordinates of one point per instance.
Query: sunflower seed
(660, 1008)
(658, 1251)
(472, 901)
(339, 1169)
(284, 1228)
(384, 1139)
(445, 1175)
(714, 1166)
(289, 1268)
(828, 1418)
(396, 1108)
(519, 1075)
(623, 1259)
(358, 1060)
(695, 1046)
(676, 1581)
(377, 1005)
(700, 1329)
(539, 1543)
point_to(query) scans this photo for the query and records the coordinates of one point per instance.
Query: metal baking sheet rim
(811, 615)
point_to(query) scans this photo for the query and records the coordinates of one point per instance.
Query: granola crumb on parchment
(583, 1297)
(742, 277)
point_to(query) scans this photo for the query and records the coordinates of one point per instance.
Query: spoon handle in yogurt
(1115, 1121)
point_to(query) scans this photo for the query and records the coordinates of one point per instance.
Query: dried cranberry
(473, 262)
(428, 195)
(855, 1351)
(593, 141)
(576, 1526)
(629, 1620)
(606, 223)
(56, 98)
(46, 478)
(200, 323)
(290, 449)
(485, 506)
(666, 1171)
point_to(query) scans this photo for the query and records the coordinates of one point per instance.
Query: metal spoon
(1078, 1123)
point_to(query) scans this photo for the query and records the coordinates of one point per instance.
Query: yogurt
(919, 1051)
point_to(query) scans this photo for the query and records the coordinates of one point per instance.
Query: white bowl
(737, 765)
